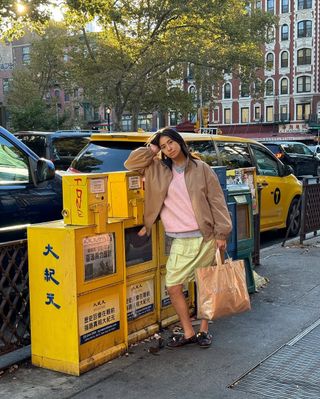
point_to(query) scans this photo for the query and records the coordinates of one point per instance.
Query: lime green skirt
(186, 254)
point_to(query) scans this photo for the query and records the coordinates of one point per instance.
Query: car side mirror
(45, 170)
(288, 170)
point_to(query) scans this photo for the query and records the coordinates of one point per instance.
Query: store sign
(293, 128)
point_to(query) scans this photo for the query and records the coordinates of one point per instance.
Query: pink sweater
(177, 214)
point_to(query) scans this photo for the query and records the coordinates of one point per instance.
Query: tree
(140, 41)
(31, 100)
(18, 16)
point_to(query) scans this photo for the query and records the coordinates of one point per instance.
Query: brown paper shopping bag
(222, 289)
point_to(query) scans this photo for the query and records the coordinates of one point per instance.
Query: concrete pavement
(281, 310)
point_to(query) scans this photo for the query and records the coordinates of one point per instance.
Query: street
(281, 310)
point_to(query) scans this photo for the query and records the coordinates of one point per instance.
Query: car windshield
(103, 156)
(109, 156)
(68, 146)
(273, 147)
(36, 143)
(297, 148)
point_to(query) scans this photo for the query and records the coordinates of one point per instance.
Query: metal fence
(14, 296)
(310, 207)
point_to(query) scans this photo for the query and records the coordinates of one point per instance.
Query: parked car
(298, 155)
(60, 147)
(315, 149)
(281, 190)
(30, 191)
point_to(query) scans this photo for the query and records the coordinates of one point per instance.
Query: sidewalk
(287, 306)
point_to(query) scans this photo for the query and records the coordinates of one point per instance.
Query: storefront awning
(275, 136)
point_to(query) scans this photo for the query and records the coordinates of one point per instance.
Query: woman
(187, 195)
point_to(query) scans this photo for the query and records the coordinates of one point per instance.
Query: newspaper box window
(99, 256)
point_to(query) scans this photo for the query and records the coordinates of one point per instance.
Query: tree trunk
(135, 116)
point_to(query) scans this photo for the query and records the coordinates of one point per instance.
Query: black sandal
(179, 340)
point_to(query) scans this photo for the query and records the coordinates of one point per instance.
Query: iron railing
(14, 296)
(310, 209)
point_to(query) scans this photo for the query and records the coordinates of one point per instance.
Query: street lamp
(108, 111)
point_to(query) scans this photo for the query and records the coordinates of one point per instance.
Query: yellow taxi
(281, 190)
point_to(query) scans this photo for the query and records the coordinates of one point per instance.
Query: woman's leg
(179, 303)
(204, 325)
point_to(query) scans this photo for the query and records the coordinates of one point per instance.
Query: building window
(304, 84)
(270, 6)
(285, 32)
(305, 29)
(227, 115)
(145, 122)
(270, 34)
(244, 90)
(66, 97)
(284, 62)
(269, 61)
(5, 85)
(284, 86)
(126, 123)
(245, 115)
(269, 114)
(191, 71)
(227, 91)
(258, 4)
(303, 112)
(269, 87)
(303, 4)
(284, 113)
(26, 55)
(304, 56)
(257, 113)
(284, 6)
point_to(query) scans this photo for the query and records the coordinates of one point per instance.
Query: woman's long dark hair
(175, 136)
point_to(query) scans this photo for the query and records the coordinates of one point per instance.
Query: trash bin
(241, 240)
(242, 219)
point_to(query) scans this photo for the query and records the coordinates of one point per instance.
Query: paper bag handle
(218, 257)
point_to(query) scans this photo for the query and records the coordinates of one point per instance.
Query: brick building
(291, 101)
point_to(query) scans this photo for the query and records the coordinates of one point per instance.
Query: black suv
(30, 191)
(297, 155)
(60, 147)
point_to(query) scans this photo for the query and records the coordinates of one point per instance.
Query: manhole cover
(292, 372)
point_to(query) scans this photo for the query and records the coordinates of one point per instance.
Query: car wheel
(295, 214)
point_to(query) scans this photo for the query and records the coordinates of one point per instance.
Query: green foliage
(33, 116)
(18, 16)
(142, 45)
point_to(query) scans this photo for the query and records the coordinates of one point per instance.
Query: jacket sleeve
(139, 159)
(219, 209)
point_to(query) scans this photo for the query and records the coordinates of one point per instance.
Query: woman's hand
(154, 148)
(142, 232)
(221, 244)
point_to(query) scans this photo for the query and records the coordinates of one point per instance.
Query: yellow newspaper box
(85, 199)
(77, 281)
(142, 282)
(77, 296)
(126, 196)
(141, 253)
(142, 294)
